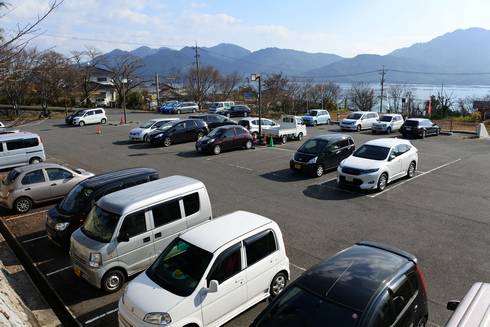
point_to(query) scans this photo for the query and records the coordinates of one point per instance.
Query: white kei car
(377, 163)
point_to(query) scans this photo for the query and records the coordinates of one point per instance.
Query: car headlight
(369, 171)
(211, 140)
(158, 136)
(158, 318)
(61, 226)
(312, 160)
(341, 163)
(95, 260)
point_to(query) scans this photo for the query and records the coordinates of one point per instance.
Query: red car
(225, 138)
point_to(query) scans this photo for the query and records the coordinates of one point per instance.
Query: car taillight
(421, 277)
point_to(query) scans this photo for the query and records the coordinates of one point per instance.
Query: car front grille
(355, 181)
(351, 171)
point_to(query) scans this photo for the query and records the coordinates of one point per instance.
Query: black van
(321, 153)
(70, 213)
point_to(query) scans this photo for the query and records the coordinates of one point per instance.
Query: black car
(321, 153)
(419, 127)
(214, 120)
(69, 118)
(70, 213)
(225, 138)
(240, 110)
(180, 131)
(368, 284)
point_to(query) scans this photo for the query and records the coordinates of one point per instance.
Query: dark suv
(420, 127)
(240, 110)
(70, 213)
(321, 153)
(214, 120)
(368, 284)
(179, 131)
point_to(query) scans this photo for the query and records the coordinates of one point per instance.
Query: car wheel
(382, 182)
(167, 142)
(319, 171)
(81, 123)
(424, 134)
(200, 135)
(422, 322)
(113, 281)
(300, 136)
(103, 121)
(411, 170)
(23, 204)
(284, 139)
(146, 138)
(193, 110)
(178, 112)
(217, 149)
(314, 123)
(373, 131)
(388, 130)
(248, 145)
(34, 160)
(359, 128)
(328, 121)
(278, 284)
(438, 131)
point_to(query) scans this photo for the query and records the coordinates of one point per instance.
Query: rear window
(412, 123)
(260, 246)
(36, 176)
(191, 204)
(11, 177)
(243, 123)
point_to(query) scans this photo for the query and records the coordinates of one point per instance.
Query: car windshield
(76, 200)
(166, 126)
(180, 267)
(355, 116)
(100, 224)
(78, 113)
(298, 307)
(215, 132)
(147, 124)
(414, 123)
(11, 177)
(386, 118)
(372, 152)
(313, 146)
(312, 113)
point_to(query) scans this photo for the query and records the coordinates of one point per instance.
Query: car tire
(315, 123)
(34, 160)
(146, 138)
(200, 135)
(113, 280)
(328, 121)
(422, 322)
(248, 144)
(359, 128)
(424, 134)
(278, 284)
(81, 123)
(193, 110)
(373, 131)
(284, 139)
(382, 182)
(411, 170)
(388, 130)
(300, 136)
(103, 121)
(216, 150)
(178, 112)
(438, 131)
(167, 142)
(23, 204)
(319, 171)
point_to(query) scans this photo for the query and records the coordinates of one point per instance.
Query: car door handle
(27, 189)
(157, 235)
(54, 184)
(146, 239)
(239, 281)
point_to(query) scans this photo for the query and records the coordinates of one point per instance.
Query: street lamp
(256, 77)
(124, 81)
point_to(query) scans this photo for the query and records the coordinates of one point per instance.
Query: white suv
(90, 116)
(377, 163)
(388, 123)
(359, 120)
(209, 274)
(252, 125)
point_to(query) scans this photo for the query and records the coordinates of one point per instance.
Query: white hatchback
(141, 133)
(377, 163)
(209, 274)
(90, 116)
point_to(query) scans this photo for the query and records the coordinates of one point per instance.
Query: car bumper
(413, 132)
(309, 122)
(302, 167)
(380, 129)
(363, 182)
(92, 276)
(348, 127)
(136, 137)
(205, 148)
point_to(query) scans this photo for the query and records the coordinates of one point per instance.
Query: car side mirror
(213, 286)
(392, 156)
(124, 237)
(452, 305)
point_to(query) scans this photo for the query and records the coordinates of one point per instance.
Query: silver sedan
(37, 183)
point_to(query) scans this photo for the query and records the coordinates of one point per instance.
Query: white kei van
(473, 310)
(209, 274)
(126, 230)
(17, 149)
(90, 116)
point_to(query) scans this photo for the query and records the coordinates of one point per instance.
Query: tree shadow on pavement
(285, 176)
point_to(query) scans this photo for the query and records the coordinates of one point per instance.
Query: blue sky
(347, 28)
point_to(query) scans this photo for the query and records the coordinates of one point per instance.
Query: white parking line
(282, 149)
(26, 215)
(34, 239)
(100, 316)
(415, 177)
(57, 271)
(297, 267)
(240, 167)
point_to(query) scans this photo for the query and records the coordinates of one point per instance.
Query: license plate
(408, 128)
(349, 178)
(76, 270)
(297, 166)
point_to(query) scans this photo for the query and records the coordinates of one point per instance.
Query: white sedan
(377, 163)
(141, 133)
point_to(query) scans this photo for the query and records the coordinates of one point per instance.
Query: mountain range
(446, 59)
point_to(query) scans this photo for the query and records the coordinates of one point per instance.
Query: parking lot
(441, 215)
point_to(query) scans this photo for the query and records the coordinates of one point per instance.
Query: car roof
(417, 119)
(474, 309)
(147, 194)
(14, 136)
(331, 137)
(113, 176)
(388, 142)
(355, 275)
(41, 165)
(254, 118)
(229, 127)
(163, 119)
(391, 115)
(220, 231)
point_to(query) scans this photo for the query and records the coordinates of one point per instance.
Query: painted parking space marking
(26, 215)
(415, 177)
(297, 267)
(57, 271)
(282, 149)
(100, 316)
(35, 239)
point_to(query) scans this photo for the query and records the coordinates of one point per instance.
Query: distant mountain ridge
(449, 55)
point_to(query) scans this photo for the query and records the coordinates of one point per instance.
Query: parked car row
(176, 107)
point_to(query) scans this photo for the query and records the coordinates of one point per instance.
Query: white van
(126, 230)
(209, 274)
(17, 149)
(90, 116)
(359, 120)
(220, 107)
(473, 310)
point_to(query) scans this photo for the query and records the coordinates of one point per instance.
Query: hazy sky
(347, 27)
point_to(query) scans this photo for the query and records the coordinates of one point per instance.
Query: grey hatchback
(37, 183)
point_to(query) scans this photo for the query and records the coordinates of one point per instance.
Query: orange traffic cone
(98, 130)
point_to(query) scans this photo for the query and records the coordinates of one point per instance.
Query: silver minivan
(17, 149)
(126, 230)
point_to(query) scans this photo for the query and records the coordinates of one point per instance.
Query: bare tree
(275, 88)
(361, 96)
(331, 93)
(86, 62)
(395, 94)
(124, 75)
(208, 83)
(228, 84)
(446, 102)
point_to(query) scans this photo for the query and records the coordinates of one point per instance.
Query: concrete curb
(50, 295)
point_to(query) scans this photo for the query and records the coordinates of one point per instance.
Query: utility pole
(198, 79)
(382, 89)
(157, 82)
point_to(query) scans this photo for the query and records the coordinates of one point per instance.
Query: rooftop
(387, 142)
